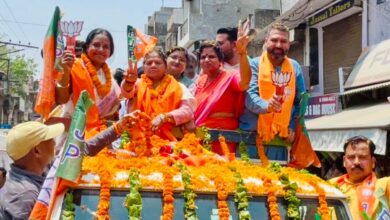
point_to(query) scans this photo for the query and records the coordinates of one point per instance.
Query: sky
(26, 21)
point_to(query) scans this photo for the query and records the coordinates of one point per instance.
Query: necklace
(102, 89)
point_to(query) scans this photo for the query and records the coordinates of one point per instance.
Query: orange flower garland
(225, 149)
(101, 89)
(168, 209)
(104, 202)
(261, 151)
(323, 209)
(160, 90)
(222, 194)
(273, 209)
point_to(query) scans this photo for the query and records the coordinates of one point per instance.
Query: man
(226, 38)
(31, 146)
(273, 101)
(3, 174)
(368, 196)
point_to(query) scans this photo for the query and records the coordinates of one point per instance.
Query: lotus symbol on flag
(280, 80)
(71, 30)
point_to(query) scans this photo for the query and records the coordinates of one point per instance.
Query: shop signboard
(331, 11)
(322, 105)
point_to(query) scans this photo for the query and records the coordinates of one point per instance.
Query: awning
(367, 88)
(372, 67)
(328, 133)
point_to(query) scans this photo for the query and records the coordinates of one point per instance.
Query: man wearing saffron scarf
(368, 195)
(274, 97)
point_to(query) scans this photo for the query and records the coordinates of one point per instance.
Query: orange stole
(271, 124)
(82, 81)
(163, 99)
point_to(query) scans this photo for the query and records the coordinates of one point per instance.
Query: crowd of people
(218, 87)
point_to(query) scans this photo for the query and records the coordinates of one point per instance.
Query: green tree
(21, 70)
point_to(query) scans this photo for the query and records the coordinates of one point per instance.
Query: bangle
(62, 87)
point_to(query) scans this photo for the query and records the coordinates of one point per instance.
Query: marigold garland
(272, 201)
(104, 201)
(293, 202)
(323, 209)
(101, 89)
(222, 195)
(168, 209)
(261, 151)
(160, 90)
(225, 149)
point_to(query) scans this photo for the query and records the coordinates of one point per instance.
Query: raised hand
(131, 74)
(67, 61)
(243, 36)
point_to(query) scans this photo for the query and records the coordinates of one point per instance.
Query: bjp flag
(139, 43)
(51, 53)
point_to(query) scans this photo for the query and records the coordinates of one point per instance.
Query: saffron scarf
(275, 123)
(364, 192)
(207, 97)
(82, 81)
(165, 98)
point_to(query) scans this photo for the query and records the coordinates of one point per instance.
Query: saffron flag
(66, 168)
(52, 51)
(138, 43)
(302, 153)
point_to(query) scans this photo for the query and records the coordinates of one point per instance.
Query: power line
(13, 16)
(9, 27)
(19, 44)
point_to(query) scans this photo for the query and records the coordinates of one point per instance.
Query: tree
(20, 70)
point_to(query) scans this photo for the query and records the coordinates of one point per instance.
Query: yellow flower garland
(102, 90)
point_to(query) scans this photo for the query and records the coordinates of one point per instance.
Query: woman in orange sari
(168, 102)
(90, 73)
(219, 93)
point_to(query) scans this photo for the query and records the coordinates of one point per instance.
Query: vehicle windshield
(206, 203)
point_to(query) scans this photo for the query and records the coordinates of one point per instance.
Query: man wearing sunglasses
(368, 195)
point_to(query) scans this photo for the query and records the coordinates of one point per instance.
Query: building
(200, 19)
(157, 24)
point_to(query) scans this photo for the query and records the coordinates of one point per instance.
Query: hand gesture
(274, 104)
(128, 121)
(67, 61)
(243, 36)
(131, 74)
(158, 121)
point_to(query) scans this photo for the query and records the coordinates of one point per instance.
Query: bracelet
(62, 87)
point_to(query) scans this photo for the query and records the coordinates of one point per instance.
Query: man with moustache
(368, 195)
(273, 115)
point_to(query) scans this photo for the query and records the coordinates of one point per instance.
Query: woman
(90, 73)
(219, 93)
(177, 59)
(159, 95)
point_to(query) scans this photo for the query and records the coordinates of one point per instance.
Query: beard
(277, 53)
